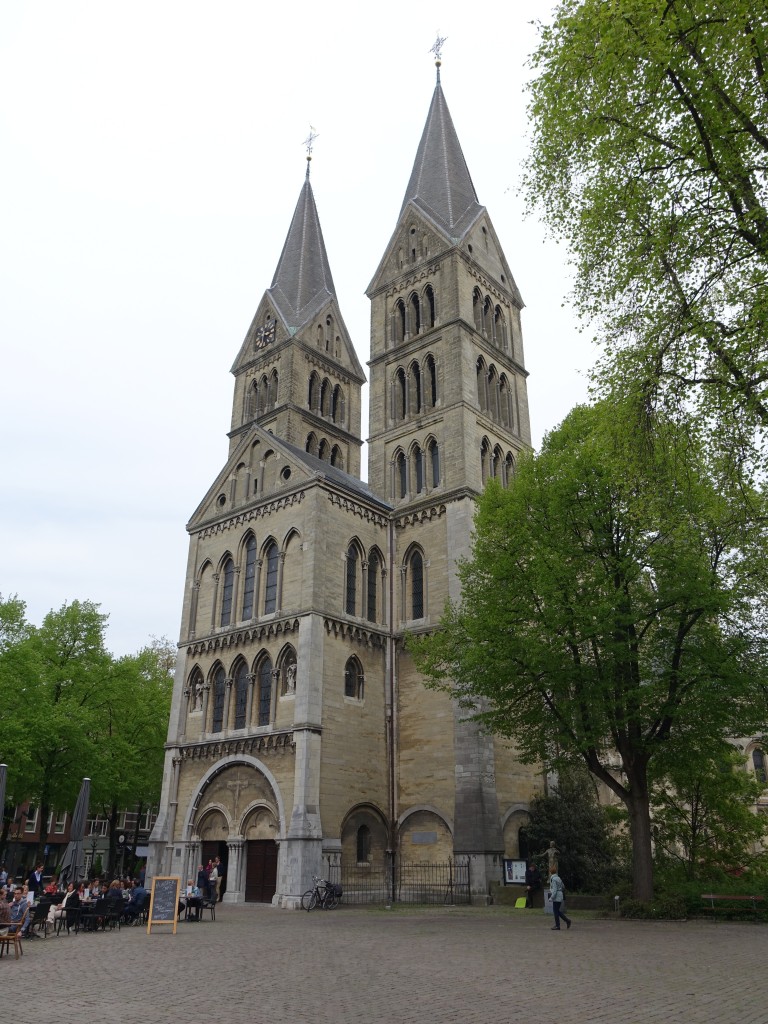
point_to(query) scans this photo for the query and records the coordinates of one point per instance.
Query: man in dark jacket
(532, 883)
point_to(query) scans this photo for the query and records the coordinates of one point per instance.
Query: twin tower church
(302, 738)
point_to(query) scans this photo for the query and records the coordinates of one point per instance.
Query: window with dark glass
(363, 844)
(758, 760)
(417, 585)
(219, 689)
(353, 679)
(351, 601)
(241, 694)
(418, 458)
(402, 473)
(265, 691)
(434, 458)
(226, 593)
(270, 588)
(249, 580)
(373, 583)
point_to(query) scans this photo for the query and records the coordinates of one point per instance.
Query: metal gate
(404, 882)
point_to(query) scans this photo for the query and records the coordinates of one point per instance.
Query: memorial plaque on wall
(164, 901)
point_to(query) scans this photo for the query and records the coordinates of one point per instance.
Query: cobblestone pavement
(463, 965)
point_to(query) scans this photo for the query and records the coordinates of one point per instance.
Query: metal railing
(401, 881)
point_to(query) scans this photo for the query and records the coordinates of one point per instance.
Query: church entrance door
(261, 870)
(214, 848)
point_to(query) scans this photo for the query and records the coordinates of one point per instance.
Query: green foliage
(589, 855)
(703, 818)
(613, 607)
(664, 907)
(648, 158)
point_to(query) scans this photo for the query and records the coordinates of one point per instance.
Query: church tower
(448, 410)
(297, 373)
(302, 740)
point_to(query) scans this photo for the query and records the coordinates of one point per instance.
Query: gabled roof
(302, 281)
(440, 184)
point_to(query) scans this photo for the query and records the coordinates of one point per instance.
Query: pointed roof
(302, 281)
(440, 184)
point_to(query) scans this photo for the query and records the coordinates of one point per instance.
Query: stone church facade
(301, 735)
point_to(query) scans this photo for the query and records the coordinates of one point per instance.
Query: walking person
(557, 895)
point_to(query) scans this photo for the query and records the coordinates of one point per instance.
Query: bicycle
(324, 894)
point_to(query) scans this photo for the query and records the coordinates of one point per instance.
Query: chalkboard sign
(164, 901)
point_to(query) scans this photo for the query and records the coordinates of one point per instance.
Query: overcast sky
(151, 158)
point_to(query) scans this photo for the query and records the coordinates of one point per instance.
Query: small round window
(285, 472)
(222, 500)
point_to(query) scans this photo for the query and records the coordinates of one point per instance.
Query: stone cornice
(269, 743)
(357, 508)
(354, 631)
(424, 514)
(316, 359)
(255, 633)
(408, 281)
(248, 515)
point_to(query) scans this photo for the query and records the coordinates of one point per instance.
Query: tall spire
(440, 183)
(302, 283)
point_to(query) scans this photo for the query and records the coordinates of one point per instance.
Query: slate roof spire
(440, 184)
(302, 283)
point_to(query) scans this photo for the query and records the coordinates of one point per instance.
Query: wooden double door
(260, 870)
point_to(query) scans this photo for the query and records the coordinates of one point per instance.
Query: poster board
(514, 871)
(164, 901)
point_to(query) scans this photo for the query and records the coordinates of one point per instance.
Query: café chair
(14, 938)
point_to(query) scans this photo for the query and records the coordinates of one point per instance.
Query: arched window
(402, 475)
(493, 393)
(262, 395)
(417, 398)
(265, 692)
(758, 762)
(249, 580)
(374, 568)
(219, 690)
(350, 603)
(252, 401)
(500, 328)
(414, 310)
(434, 461)
(488, 318)
(241, 694)
(417, 458)
(272, 394)
(337, 459)
(228, 573)
(353, 679)
(363, 845)
(325, 398)
(416, 574)
(505, 405)
(399, 321)
(431, 382)
(485, 459)
(313, 393)
(288, 672)
(482, 384)
(429, 306)
(311, 445)
(337, 405)
(400, 395)
(477, 310)
(270, 585)
(323, 450)
(509, 469)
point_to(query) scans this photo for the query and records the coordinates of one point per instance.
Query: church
(301, 738)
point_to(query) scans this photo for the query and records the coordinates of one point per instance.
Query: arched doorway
(213, 843)
(260, 829)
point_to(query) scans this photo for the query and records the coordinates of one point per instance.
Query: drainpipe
(391, 710)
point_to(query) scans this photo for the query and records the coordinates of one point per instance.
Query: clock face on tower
(265, 334)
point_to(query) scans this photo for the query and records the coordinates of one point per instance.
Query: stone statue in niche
(290, 678)
(198, 696)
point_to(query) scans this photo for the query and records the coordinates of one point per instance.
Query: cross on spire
(437, 49)
(309, 142)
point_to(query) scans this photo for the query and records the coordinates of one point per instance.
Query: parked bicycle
(325, 895)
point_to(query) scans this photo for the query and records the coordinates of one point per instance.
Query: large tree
(613, 607)
(649, 157)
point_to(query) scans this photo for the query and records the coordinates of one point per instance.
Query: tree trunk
(638, 806)
(112, 855)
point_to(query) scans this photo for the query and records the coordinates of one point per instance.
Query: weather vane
(309, 141)
(437, 47)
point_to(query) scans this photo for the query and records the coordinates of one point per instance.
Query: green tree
(130, 727)
(703, 811)
(589, 857)
(16, 671)
(650, 145)
(612, 607)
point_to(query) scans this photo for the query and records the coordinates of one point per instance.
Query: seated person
(190, 893)
(18, 908)
(136, 903)
(115, 895)
(71, 899)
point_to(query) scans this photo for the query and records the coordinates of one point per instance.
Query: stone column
(235, 872)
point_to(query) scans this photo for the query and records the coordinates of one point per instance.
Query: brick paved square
(463, 965)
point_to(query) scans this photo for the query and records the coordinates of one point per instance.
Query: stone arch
(425, 834)
(364, 816)
(200, 801)
(515, 818)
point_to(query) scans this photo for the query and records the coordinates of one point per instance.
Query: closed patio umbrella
(73, 865)
(3, 777)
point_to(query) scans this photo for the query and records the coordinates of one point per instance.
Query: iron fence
(404, 882)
